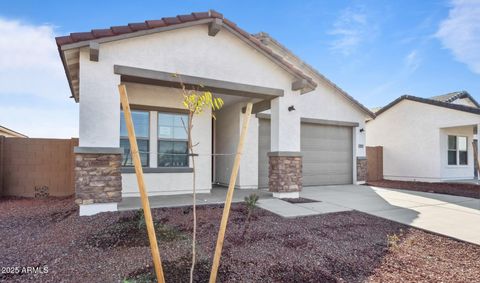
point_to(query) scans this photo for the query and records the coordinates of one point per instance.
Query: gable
(465, 101)
(212, 21)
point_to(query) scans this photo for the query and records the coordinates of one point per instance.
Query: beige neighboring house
(427, 139)
(6, 132)
(305, 130)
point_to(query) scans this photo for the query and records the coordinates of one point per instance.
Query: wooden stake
(228, 200)
(157, 263)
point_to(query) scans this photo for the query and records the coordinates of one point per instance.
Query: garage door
(327, 154)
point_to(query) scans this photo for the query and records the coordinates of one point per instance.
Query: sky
(374, 50)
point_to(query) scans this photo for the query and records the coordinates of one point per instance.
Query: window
(141, 123)
(457, 150)
(452, 150)
(462, 151)
(172, 140)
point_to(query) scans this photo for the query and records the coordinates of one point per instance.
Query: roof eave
(316, 72)
(67, 74)
(432, 102)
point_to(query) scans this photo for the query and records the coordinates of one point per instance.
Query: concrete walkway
(217, 196)
(291, 210)
(456, 217)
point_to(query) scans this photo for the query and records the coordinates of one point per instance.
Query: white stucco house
(427, 139)
(305, 130)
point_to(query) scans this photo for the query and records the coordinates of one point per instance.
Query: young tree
(196, 102)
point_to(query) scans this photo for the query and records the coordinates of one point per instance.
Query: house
(427, 139)
(6, 132)
(306, 130)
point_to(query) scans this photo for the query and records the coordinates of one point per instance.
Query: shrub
(393, 241)
(250, 204)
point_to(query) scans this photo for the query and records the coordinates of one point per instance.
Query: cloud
(351, 29)
(33, 87)
(412, 61)
(460, 32)
(29, 61)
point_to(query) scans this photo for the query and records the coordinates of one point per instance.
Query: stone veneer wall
(361, 169)
(285, 174)
(98, 178)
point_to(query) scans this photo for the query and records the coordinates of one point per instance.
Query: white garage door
(327, 154)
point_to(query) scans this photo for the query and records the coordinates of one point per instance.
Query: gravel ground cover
(455, 189)
(112, 247)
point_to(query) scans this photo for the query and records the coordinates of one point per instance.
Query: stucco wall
(228, 128)
(412, 139)
(227, 133)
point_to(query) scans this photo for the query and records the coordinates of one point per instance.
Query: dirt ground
(455, 189)
(112, 247)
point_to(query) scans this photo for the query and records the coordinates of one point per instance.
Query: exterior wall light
(362, 130)
(291, 108)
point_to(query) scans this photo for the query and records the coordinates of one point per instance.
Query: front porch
(216, 196)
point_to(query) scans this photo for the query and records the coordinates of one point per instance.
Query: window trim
(457, 151)
(138, 138)
(159, 139)
(153, 142)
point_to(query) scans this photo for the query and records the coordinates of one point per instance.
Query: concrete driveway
(456, 217)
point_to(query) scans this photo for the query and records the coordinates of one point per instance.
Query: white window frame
(457, 150)
(153, 134)
(140, 138)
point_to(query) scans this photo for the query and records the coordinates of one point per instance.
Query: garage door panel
(327, 158)
(327, 154)
(313, 144)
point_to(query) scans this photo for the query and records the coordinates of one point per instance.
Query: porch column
(285, 158)
(98, 180)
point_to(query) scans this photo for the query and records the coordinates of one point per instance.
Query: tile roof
(172, 21)
(265, 37)
(450, 97)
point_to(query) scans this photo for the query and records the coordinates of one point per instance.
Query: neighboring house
(427, 139)
(6, 132)
(306, 131)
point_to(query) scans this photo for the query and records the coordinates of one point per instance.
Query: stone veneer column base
(361, 170)
(98, 179)
(285, 174)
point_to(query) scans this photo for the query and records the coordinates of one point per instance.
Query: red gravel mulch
(111, 247)
(455, 189)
